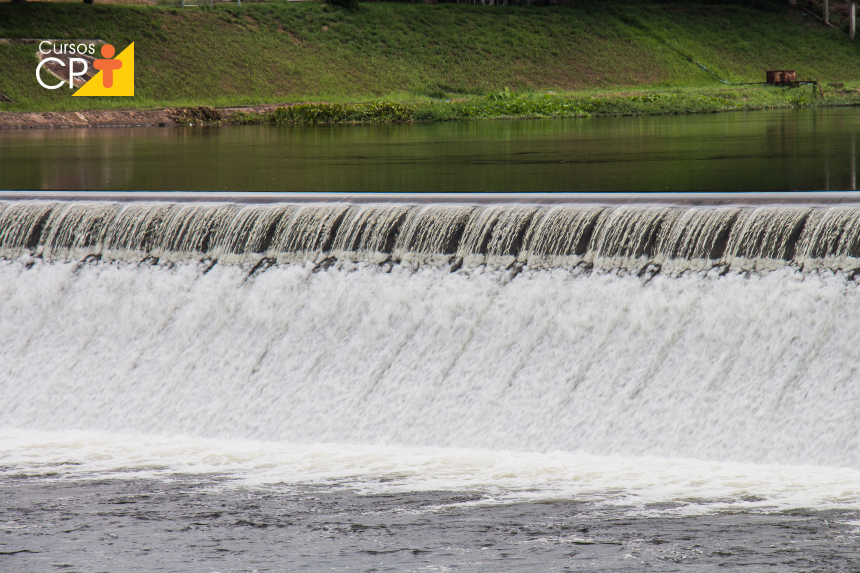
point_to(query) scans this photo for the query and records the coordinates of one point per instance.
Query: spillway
(379, 339)
(606, 237)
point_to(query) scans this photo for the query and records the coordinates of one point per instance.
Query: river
(781, 150)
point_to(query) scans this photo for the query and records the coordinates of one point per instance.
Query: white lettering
(39, 69)
(41, 49)
(72, 73)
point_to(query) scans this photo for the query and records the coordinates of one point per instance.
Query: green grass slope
(307, 51)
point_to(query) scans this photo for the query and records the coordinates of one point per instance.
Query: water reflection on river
(777, 150)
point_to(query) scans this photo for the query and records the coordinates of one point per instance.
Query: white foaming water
(547, 384)
(689, 486)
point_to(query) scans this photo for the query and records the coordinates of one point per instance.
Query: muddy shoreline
(615, 104)
(106, 117)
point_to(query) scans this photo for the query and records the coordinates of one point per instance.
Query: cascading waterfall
(631, 237)
(403, 326)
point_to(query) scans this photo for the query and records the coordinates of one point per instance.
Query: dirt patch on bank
(88, 118)
(121, 117)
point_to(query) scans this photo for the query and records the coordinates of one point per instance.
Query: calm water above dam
(755, 151)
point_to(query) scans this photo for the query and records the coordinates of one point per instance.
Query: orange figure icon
(107, 65)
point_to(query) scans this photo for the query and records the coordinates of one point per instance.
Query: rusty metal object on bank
(780, 76)
(785, 79)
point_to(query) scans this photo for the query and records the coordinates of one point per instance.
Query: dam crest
(628, 237)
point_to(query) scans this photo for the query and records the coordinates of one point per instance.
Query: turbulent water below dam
(428, 388)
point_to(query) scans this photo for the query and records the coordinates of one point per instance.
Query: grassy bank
(530, 105)
(597, 59)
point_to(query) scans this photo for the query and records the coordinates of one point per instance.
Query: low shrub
(331, 113)
(199, 114)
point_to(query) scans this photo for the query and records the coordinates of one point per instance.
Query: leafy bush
(199, 114)
(501, 95)
(331, 113)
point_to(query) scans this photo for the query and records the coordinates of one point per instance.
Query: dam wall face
(725, 334)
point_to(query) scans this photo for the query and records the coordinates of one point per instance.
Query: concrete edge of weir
(675, 198)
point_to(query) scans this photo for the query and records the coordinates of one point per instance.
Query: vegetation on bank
(494, 106)
(565, 61)
(507, 104)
